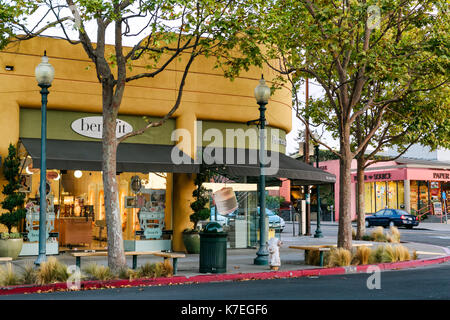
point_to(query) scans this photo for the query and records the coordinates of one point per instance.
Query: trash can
(213, 249)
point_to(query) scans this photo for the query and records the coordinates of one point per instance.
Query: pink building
(413, 185)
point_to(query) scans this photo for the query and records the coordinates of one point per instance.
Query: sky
(315, 91)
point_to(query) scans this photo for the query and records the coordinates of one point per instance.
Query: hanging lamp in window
(225, 200)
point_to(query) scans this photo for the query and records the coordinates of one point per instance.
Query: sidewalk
(241, 260)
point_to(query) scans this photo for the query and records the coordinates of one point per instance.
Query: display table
(74, 230)
(32, 248)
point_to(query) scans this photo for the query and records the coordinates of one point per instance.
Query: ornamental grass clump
(378, 234)
(362, 255)
(395, 254)
(52, 271)
(29, 274)
(389, 254)
(149, 270)
(8, 276)
(339, 257)
(367, 237)
(313, 258)
(155, 270)
(376, 255)
(394, 235)
(167, 268)
(402, 253)
(98, 272)
(126, 273)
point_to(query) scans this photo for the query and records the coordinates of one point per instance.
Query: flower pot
(191, 241)
(11, 248)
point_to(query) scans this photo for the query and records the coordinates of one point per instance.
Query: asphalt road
(424, 235)
(421, 234)
(431, 282)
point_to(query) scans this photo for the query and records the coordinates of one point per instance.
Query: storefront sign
(153, 233)
(441, 175)
(92, 127)
(375, 177)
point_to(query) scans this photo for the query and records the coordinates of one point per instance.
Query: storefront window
(369, 195)
(380, 195)
(414, 191)
(392, 201)
(243, 224)
(401, 194)
(78, 198)
(423, 194)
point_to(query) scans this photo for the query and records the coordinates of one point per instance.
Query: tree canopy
(383, 67)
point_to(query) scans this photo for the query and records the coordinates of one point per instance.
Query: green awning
(237, 163)
(87, 155)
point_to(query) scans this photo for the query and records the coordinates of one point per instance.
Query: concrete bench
(166, 255)
(321, 250)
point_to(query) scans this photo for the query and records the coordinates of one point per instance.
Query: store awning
(87, 155)
(237, 163)
(234, 163)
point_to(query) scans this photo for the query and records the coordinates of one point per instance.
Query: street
(424, 283)
(432, 234)
(424, 233)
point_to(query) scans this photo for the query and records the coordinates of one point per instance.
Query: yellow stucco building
(209, 101)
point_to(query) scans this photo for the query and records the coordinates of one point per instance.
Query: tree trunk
(116, 255)
(360, 204)
(345, 221)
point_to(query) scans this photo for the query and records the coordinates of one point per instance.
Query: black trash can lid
(213, 227)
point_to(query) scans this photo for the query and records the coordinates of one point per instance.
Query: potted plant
(11, 243)
(191, 237)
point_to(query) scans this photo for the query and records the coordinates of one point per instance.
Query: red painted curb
(90, 285)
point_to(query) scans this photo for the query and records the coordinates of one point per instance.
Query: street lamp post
(44, 75)
(318, 233)
(262, 94)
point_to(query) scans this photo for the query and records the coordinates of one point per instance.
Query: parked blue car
(392, 217)
(275, 221)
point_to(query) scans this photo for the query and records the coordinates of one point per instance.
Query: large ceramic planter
(11, 248)
(191, 242)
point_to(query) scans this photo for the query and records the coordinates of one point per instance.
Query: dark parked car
(392, 217)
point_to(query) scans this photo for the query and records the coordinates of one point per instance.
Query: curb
(95, 284)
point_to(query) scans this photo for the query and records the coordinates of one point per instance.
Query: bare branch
(177, 102)
(307, 124)
(162, 68)
(28, 34)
